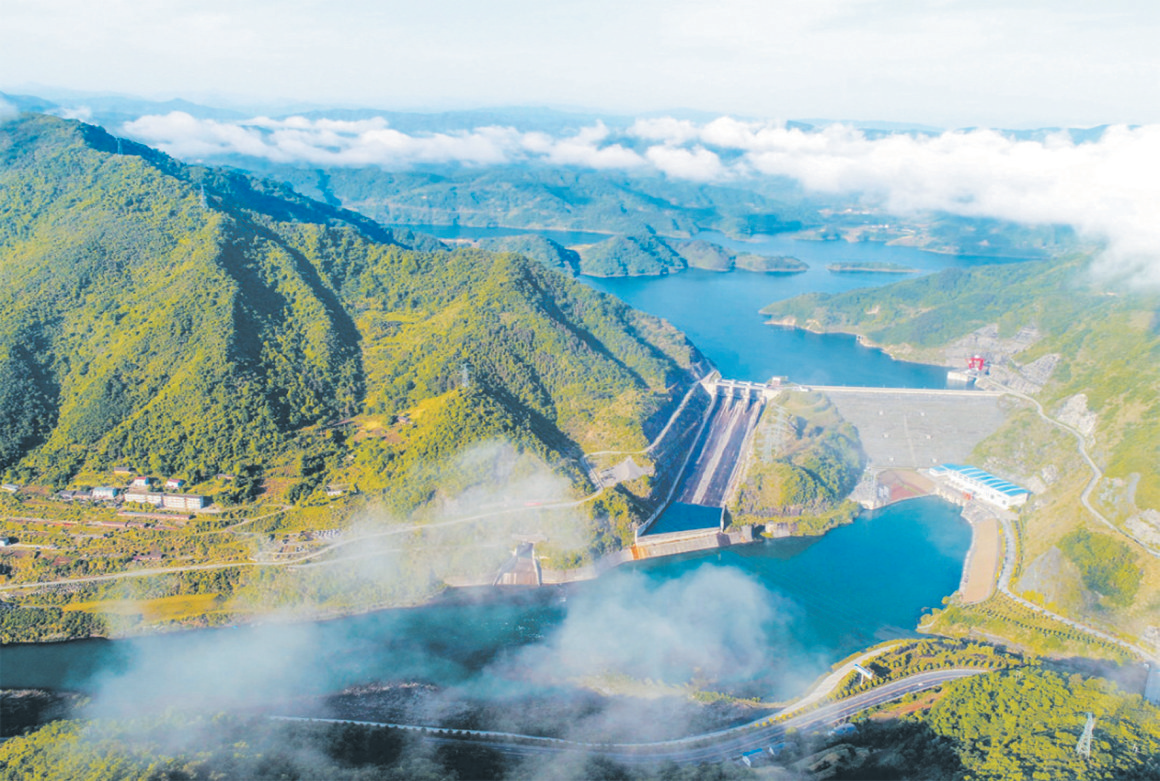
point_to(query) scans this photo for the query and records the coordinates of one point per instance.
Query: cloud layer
(1105, 188)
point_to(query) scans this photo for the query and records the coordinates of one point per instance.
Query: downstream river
(764, 619)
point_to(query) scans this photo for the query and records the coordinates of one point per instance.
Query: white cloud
(1107, 188)
(667, 129)
(698, 164)
(7, 110)
(373, 142)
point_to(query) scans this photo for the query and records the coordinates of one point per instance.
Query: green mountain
(629, 256)
(536, 247)
(1107, 338)
(190, 320)
(705, 255)
(541, 197)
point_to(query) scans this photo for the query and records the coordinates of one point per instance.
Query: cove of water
(719, 312)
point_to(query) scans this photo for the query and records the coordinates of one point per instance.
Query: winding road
(695, 749)
(1009, 551)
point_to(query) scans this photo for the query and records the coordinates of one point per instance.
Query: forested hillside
(190, 320)
(548, 197)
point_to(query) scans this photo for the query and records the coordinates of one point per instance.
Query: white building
(977, 484)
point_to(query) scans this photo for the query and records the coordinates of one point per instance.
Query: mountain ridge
(191, 319)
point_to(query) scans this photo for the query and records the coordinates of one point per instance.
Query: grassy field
(175, 608)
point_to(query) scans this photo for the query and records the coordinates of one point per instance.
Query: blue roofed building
(976, 483)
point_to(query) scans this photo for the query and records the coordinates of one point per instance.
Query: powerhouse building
(978, 484)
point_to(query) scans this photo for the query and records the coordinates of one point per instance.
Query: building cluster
(974, 483)
(142, 490)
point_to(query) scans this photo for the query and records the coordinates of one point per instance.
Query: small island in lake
(871, 267)
(770, 264)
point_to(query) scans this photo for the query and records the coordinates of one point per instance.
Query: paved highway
(696, 749)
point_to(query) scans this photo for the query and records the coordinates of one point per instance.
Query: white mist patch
(487, 500)
(208, 671)
(711, 623)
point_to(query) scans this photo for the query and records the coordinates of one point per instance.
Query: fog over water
(757, 621)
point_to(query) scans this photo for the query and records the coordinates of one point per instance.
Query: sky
(948, 63)
(746, 65)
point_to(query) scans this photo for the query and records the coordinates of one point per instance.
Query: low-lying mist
(629, 658)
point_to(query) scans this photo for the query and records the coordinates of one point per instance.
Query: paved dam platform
(919, 428)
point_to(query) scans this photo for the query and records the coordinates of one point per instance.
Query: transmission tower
(1084, 747)
(204, 205)
(464, 375)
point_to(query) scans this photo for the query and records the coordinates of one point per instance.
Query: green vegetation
(705, 255)
(189, 746)
(629, 256)
(1001, 616)
(538, 197)
(44, 624)
(1106, 335)
(1025, 723)
(194, 340)
(770, 264)
(1020, 724)
(543, 197)
(291, 345)
(1108, 566)
(1104, 340)
(537, 248)
(651, 255)
(804, 462)
(929, 654)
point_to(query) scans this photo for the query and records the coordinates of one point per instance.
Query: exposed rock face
(1049, 575)
(1075, 413)
(1146, 526)
(986, 341)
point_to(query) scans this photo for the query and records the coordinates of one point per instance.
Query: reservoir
(761, 620)
(719, 312)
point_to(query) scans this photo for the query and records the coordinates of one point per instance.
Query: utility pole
(1084, 747)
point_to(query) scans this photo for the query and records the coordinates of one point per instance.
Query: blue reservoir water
(765, 619)
(719, 312)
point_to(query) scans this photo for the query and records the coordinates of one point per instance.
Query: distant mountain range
(532, 195)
